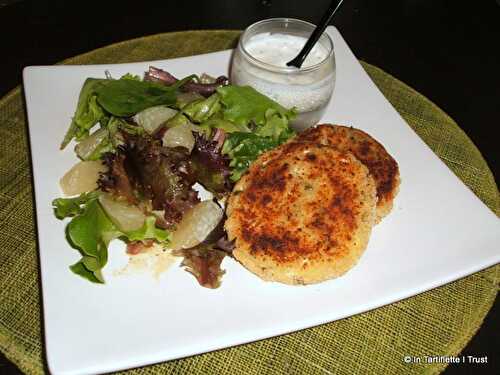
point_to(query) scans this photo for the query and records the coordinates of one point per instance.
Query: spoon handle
(318, 31)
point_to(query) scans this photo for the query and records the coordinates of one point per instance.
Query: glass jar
(260, 61)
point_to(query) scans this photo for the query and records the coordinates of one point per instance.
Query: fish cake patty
(302, 214)
(382, 166)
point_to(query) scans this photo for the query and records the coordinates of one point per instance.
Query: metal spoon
(318, 31)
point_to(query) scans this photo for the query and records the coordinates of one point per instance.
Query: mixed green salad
(143, 144)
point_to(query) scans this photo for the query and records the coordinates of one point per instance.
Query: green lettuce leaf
(183, 99)
(116, 124)
(244, 148)
(243, 104)
(88, 112)
(276, 127)
(126, 97)
(80, 269)
(202, 109)
(251, 111)
(91, 230)
(217, 122)
(267, 120)
(149, 231)
(68, 207)
(131, 76)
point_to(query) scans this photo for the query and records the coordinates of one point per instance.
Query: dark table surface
(447, 50)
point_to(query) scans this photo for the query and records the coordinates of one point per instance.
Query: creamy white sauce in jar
(260, 62)
(278, 49)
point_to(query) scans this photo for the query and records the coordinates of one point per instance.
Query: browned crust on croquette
(370, 152)
(302, 214)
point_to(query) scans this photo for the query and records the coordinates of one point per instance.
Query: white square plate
(437, 232)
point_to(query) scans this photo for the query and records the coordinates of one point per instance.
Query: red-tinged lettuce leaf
(116, 180)
(210, 166)
(163, 175)
(142, 169)
(204, 263)
(199, 86)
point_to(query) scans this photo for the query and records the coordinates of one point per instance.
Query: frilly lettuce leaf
(90, 232)
(217, 122)
(88, 111)
(124, 97)
(276, 127)
(130, 76)
(80, 269)
(243, 149)
(149, 231)
(267, 120)
(68, 207)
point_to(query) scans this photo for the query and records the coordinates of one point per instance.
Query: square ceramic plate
(437, 232)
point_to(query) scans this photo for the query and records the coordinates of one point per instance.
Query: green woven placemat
(439, 322)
